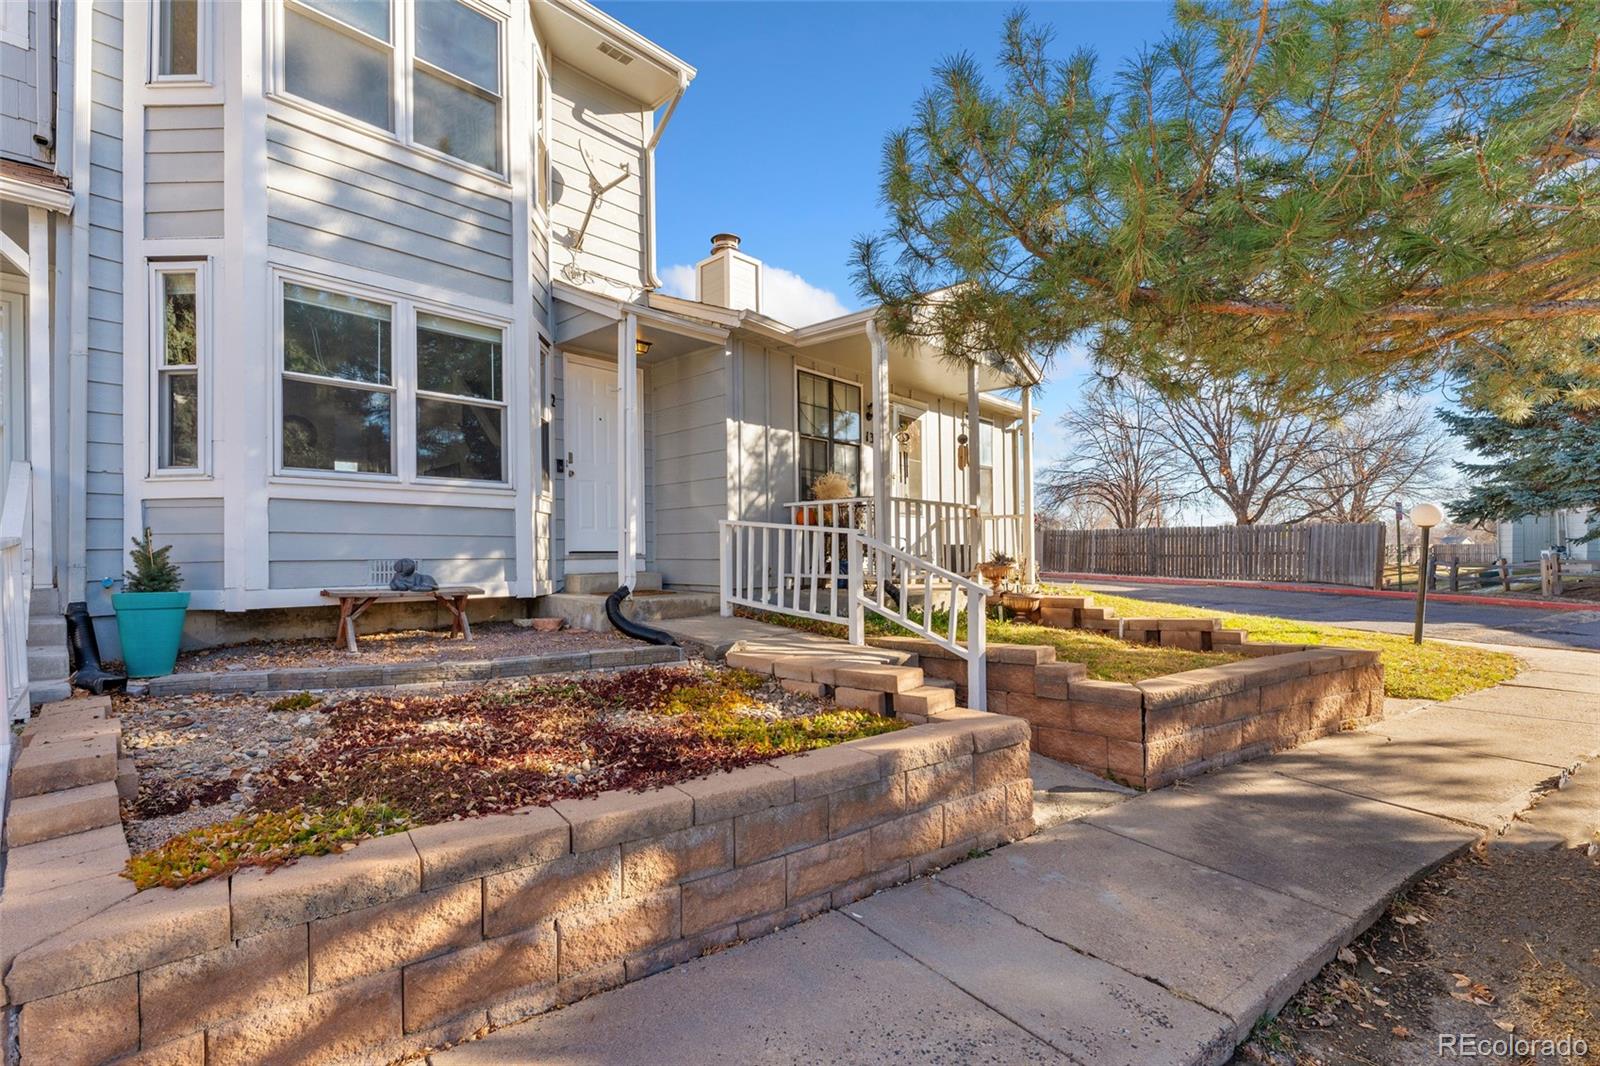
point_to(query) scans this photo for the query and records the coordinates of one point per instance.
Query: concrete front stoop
(1157, 930)
(582, 610)
(49, 664)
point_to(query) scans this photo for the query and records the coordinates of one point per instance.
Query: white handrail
(823, 572)
(16, 589)
(908, 571)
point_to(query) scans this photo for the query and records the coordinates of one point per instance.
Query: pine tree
(1546, 461)
(152, 570)
(1327, 196)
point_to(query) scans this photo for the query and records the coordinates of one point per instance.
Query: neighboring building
(1522, 541)
(338, 283)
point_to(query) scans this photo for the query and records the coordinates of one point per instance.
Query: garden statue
(406, 578)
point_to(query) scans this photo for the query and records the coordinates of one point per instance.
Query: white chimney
(727, 277)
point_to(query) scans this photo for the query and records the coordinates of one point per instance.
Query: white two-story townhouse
(343, 281)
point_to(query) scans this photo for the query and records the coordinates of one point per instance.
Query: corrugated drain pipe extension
(87, 673)
(626, 625)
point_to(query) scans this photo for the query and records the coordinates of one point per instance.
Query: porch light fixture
(641, 348)
(1424, 516)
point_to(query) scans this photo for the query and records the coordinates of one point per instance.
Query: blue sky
(779, 137)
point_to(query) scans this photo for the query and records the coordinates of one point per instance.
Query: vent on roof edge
(616, 53)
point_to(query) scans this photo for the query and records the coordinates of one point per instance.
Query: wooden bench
(353, 601)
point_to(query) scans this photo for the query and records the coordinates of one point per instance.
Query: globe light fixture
(1424, 516)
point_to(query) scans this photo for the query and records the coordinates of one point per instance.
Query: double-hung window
(461, 411)
(178, 342)
(340, 54)
(541, 136)
(830, 430)
(455, 84)
(376, 386)
(435, 80)
(338, 382)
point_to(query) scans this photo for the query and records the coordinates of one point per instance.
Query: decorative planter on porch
(150, 625)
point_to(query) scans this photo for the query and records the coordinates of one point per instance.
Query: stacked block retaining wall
(426, 937)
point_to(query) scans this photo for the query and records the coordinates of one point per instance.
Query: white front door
(592, 440)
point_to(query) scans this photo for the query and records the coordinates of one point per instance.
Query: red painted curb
(1327, 590)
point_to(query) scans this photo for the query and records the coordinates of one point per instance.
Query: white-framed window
(429, 73)
(541, 135)
(986, 441)
(828, 418)
(377, 385)
(180, 348)
(179, 30)
(461, 405)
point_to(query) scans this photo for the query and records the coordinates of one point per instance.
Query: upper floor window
(178, 39)
(541, 135)
(444, 93)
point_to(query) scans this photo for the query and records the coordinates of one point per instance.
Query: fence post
(724, 568)
(856, 562)
(1505, 573)
(1430, 560)
(1455, 573)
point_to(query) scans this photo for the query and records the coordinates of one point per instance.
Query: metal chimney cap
(719, 241)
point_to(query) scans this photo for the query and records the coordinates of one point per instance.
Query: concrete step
(59, 814)
(47, 629)
(923, 701)
(606, 584)
(48, 662)
(589, 611)
(887, 679)
(56, 762)
(40, 692)
(45, 602)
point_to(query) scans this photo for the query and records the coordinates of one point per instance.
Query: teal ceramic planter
(150, 625)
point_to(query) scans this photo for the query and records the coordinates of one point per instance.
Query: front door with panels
(592, 438)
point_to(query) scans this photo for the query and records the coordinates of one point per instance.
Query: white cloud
(785, 295)
(793, 300)
(678, 281)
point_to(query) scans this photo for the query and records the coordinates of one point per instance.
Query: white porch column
(881, 452)
(1030, 539)
(627, 429)
(974, 452)
(40, 453)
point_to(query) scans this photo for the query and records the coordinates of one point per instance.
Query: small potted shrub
(150, 610)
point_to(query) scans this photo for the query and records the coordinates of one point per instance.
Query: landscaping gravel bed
(490, 640)
(348, 763)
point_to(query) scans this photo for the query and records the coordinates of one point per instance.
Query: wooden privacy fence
(1333, 554)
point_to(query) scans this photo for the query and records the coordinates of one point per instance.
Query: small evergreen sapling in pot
(150, 609)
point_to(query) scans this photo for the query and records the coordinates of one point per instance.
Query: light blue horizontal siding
(193, 528)
(315, 544)
(336, 202)
(183, 166)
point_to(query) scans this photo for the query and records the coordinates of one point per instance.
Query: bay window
(177, 342)
(340, 54)
(829, 421)
(435, 80)
(460, 400)
(177, 39)
(376, 386)
(338, 385)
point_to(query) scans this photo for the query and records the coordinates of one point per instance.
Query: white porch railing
(936, 530)
(16, 588)
(1003, 533)
(823, 571)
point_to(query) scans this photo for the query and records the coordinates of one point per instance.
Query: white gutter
(652, 280)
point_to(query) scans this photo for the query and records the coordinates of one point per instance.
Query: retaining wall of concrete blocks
(1168, 728)
(426, 937)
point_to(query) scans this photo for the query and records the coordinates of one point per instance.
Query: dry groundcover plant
(385, 763)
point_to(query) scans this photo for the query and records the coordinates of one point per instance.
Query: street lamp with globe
(1424, 516)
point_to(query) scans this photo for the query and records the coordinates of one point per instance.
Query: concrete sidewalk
(1156, 930)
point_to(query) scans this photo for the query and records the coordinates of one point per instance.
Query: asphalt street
(1522, 626)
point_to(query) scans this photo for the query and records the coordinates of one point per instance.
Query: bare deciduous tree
(1117, 462)
(1373, 456)
(1250, 447)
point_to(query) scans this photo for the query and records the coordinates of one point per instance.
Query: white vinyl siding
(316, 544)
(183, 188)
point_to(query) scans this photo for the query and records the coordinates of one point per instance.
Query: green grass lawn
(1107, 658)
(1431, 670)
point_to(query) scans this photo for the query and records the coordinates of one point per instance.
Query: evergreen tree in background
(1546, 461)
(1326, 198)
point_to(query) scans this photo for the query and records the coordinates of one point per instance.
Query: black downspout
(626, 625)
